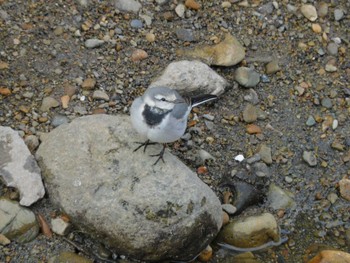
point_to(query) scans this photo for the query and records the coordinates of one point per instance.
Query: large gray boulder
(144, 211)
(18, 167)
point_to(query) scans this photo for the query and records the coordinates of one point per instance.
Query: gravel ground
(306, 104)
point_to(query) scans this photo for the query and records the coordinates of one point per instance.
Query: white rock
(335, 124)
(18, 167)
(93, 43)
(191, 77)
(239, 158)
(59, 226)
(180, 10)
(127, 5)
(92, 173)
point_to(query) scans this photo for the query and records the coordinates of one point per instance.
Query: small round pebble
(136, 23)
(310, 121)
(338, 14)
(326, 102)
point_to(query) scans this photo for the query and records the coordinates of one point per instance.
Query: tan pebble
(98, 111)
(309, 11)
(139, 54)
(280, 213)
(65, 101)
(304, 85)
(88, 83)
(43, 119)
(324, 36)
(344, 188)
(226, 4)
(331, 256)
(302, 45)
(253, 129)
(4, 240)
(5, 91)
(150, 37)
(322, 71)
(24, 109)
(327, 123)
(209, 139)
(316, 28)
(192, 4)
(4, 65)
(225, 218)
(69, 90)
(206, 254)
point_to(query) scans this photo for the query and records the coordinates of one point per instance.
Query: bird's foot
(159, 155)
(144, 144)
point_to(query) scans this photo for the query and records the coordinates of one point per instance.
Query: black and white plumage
(160, 114)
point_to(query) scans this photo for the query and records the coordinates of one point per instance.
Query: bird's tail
(200, 99)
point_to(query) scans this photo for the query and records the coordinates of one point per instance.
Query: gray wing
(181, 110)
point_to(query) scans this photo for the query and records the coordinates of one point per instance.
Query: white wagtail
(160, 115)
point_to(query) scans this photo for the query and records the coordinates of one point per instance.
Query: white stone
(18, 167)
(239, 158)
(180, 10)
(127, 5)
(59, 226)
(191, 77)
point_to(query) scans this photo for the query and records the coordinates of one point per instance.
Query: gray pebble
(332, 49)
(250, 114)
(58, 120)
(338, 14)
(208, 117)
(136, 23)
(265, 153)
(264, 78)
(255, 158)
(261, 169)
(247, 77)
(326, 102)
(185, 34)
(252, 97)
(93, 43)
(228, 208)
(310, 121)
(288, 179)
(80, 110)
(310, 158)
(100, 95)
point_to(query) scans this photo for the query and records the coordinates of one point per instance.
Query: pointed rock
(18, 167)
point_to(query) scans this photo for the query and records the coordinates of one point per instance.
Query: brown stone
(344, 188)
(331, 256)
(5, 91)
(192, 4)
(88, 83)
(138, 54)
(253, 129)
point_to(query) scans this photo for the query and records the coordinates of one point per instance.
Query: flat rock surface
(111, 191)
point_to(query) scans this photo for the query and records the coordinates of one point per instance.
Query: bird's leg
(160, 155)
(144, 144)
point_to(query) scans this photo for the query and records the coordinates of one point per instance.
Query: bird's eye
(163, 99)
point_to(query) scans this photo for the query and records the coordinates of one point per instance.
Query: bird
(160, 116)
